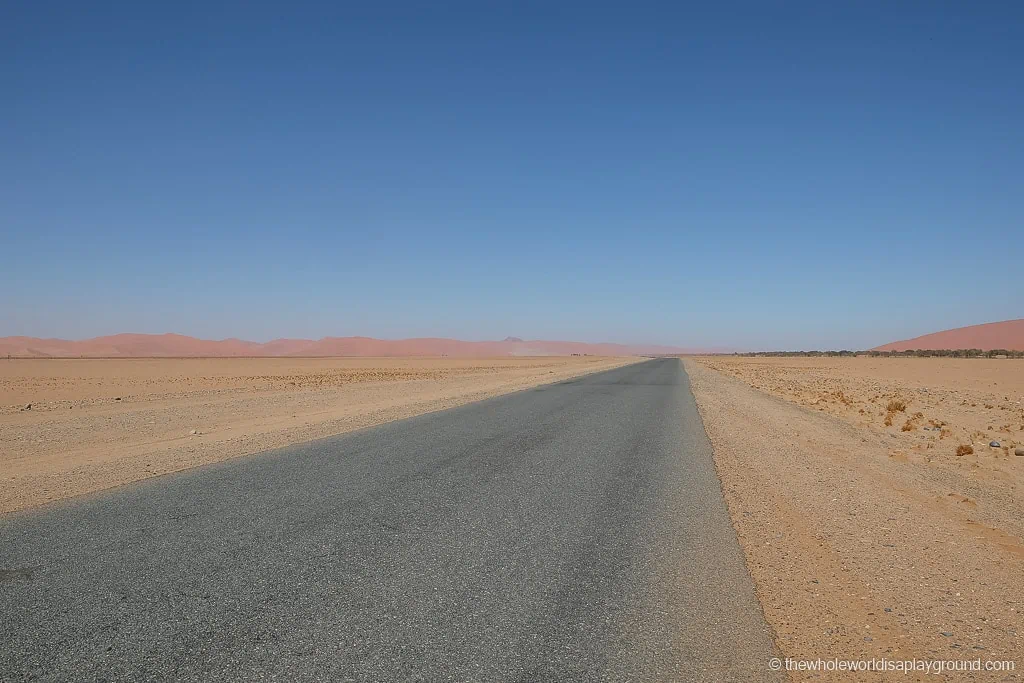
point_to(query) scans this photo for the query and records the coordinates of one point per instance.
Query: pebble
(28, 406)
(947, 634)
(1019, 451)
(994, 444)
(194, 431)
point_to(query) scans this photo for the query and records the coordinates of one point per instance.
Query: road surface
(575, 531)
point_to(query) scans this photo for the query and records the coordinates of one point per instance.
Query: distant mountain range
(1008, 335)
(177, 345)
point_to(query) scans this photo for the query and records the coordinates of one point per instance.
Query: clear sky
(746, 175)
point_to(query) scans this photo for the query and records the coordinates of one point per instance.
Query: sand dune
(1008, 334)
(181, 346)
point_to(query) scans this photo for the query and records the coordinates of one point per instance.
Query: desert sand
(70, 427)
(1008, 334)
(865, 540)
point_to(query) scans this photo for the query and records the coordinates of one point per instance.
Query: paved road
(570, 532)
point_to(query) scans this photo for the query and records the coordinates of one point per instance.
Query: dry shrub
(843, 398)
(908, 426)
(964, 450)
(944, 433)
(888, 420)
(896, 406)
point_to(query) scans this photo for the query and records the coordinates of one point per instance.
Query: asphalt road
(574, 531)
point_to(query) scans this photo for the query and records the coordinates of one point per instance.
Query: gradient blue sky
(752, 175)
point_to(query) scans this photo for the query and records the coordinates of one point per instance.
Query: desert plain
(866, 535)
(75, 426)
(864, 531)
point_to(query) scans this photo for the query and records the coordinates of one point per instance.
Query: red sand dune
(176, 345)
(1008, 334)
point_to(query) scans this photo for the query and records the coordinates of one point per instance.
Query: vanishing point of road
(575, 531)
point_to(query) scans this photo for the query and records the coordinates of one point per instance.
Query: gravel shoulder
(863, 542)
(97, 424)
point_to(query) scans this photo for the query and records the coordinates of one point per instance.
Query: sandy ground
(95, 424)
(865, 540)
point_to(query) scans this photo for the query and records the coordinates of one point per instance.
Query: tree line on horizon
(912, 353)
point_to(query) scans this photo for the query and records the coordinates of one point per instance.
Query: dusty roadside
(863, 541)
(69, 427)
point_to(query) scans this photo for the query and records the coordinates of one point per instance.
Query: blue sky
(746, 175)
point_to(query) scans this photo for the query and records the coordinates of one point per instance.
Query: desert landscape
(70, 426)
(540, 342)
(876, 518)
(876, 499)
(169, 345)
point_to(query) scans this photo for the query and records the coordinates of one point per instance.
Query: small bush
(896, 406)
(888, 420)
(842, 398)
(908, 426)
(964, 450)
